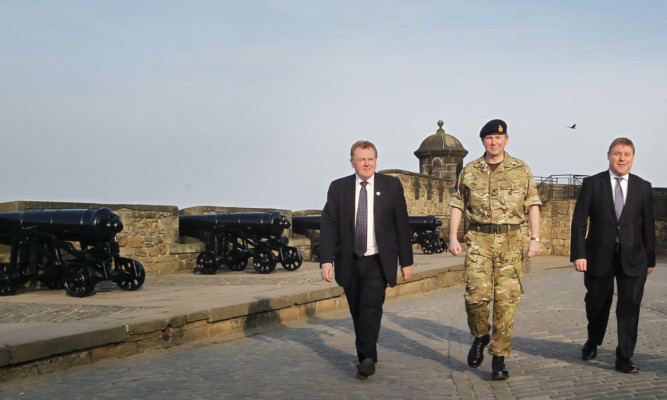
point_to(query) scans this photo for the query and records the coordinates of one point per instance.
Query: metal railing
(559, 186)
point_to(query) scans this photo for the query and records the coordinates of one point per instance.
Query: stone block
(195, 331)
(4, 356)
(135, 241)
(61, 362)
(322, 306)
(114, 351)
(152, 343)
(198, 315)
(66, 338)
(220, 328)
(288, 314)
(146, 326)
(263, 319)
(228, 312)
(287, 300)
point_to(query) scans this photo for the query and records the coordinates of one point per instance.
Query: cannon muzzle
(301, 224)
(424, 223)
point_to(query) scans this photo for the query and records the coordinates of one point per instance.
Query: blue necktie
(618, 198)
(361, 228)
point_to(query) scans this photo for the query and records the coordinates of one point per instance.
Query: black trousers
(365, 296)
(598, 299)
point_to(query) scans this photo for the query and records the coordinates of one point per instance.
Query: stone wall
(445, 167)
(425, 194)
(557, 219)
(150, 232)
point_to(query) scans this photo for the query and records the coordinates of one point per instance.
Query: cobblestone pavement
(423, 349)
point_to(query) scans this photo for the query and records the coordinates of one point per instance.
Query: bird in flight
(573, 126)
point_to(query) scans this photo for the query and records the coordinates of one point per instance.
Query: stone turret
(441, 155)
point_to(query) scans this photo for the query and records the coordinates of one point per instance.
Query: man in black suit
(620, 244)
(364, 235)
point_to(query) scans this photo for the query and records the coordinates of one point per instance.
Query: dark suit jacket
(636, 226)
(392, 229)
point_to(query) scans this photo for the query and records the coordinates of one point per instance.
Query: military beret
(494, 127)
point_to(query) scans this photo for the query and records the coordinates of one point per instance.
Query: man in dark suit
(364, 235)
(620, 244)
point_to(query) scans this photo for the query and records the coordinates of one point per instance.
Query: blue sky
(256, 103)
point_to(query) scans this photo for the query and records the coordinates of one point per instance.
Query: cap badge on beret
(494, 127)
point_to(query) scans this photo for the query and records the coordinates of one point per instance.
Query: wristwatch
(535, 239)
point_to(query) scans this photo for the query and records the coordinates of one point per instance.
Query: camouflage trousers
(493, 269)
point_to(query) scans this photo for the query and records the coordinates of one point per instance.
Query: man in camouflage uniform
(495, 191)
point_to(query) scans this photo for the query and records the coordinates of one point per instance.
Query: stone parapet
(150, 233)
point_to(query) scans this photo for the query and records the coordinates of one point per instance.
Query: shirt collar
(614, 176)
(370, 181)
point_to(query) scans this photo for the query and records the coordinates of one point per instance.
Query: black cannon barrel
(301, 223)
(94, 225)
(426, 222)
(258, 223)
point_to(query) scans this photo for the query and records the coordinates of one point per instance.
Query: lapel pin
(377, 193)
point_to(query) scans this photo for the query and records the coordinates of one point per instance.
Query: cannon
(42, 249)
(309, 226)
(231, 239)
(426, 232)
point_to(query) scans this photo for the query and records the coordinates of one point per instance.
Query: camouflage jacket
(499, 197)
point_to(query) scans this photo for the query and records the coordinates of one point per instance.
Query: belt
(356, 257)
(493, 228)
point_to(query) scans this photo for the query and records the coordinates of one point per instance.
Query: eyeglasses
(365, 160)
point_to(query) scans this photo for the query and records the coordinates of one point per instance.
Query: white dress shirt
(624, 185)
(371, 246)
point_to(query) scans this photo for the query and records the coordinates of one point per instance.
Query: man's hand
(533, 248)
(327, 272)
(454, 246)
(406, 272)
(580, 264)
(648, 272)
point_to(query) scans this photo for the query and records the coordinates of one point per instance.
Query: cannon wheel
(134, 272)
(427, 248)
(7, 279)
(238, 260)
(291, 258)
(79, 281)
(54, 276)
(206, 263)
(239, 265)
(264, 261)
(57, 282)
(441, 245)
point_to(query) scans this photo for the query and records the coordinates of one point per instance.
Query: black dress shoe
(366, 369)
(589, 351)
(476, 353)
(499, 373)
(626, 365)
